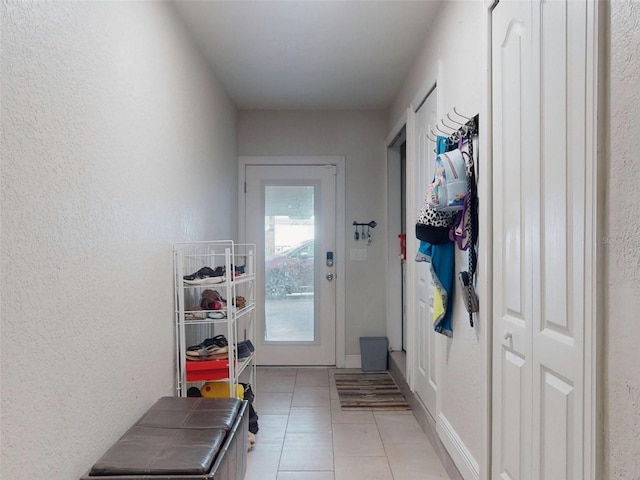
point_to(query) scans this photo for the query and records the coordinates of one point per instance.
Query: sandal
(215, 356)
(209, 352)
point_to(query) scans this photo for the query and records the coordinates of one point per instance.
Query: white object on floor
(252, 440)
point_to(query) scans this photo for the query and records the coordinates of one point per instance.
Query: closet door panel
(513, 416)
(553, 223)
(426, 385)
(558, 398)
(560, 239)
(513, 158)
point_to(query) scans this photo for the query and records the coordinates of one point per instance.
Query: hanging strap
(459, 232)
(472, 194)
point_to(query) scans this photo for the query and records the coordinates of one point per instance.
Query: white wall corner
(465, 462)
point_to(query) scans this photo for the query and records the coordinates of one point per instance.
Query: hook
(440, 130)
(459, 114)
(360, 234)
(448, 126)
(370, 225)
(454, 121)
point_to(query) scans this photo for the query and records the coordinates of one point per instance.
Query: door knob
(329, 276)
(508, 335)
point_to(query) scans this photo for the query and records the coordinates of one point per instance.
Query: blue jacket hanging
(441, 259)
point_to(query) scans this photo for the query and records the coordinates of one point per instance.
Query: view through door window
(289, 228)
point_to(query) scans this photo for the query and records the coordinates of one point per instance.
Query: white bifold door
(541, 92)
(426, 385)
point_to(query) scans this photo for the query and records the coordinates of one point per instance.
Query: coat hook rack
(364, 235)
(464, 132)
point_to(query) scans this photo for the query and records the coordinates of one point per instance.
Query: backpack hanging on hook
(447, 191)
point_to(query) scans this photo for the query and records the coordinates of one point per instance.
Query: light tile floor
(304, 435)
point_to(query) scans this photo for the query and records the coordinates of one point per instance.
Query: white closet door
(559, 243)
(513, 190)
(426, 384)
(540, 66)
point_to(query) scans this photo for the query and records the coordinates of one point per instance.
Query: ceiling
(310, 55)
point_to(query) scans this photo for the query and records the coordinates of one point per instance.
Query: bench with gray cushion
(181, 439)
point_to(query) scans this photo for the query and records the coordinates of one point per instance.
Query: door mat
(369, 391)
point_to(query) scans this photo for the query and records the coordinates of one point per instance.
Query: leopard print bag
(433, 226)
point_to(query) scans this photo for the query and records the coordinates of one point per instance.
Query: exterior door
(540, 76)
(290, 214)
(425, 384)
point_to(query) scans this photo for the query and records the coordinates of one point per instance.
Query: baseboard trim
(425, 420)
(464, 460)
(352, 361)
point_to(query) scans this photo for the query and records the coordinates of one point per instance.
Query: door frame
(394, 268)
(594, 225)
(339, 258)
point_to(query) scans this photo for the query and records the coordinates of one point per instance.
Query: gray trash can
(373, 353)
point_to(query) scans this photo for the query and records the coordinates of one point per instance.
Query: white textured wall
(622, 326)
(455, 39)
(359, 137)
(117, 142)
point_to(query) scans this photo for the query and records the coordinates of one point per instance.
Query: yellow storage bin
(220, 390)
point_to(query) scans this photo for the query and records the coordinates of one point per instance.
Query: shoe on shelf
(213, 356)
(217, 341)
(208, 353)
(245, 349)
(212, 295)
(211, 300)
(194, 392)
(204, 272)
(205, 275)
(240, 302)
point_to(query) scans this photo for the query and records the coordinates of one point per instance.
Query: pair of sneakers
(209, 349)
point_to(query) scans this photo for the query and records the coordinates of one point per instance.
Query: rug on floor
(369, 391)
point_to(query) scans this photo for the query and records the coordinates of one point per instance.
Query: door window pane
(289, 226)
